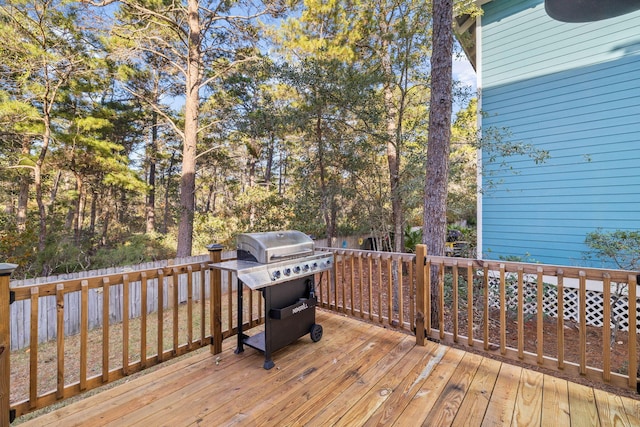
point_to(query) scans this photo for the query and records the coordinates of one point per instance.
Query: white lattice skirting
(594, 303)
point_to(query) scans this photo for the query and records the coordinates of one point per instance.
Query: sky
(464, 73)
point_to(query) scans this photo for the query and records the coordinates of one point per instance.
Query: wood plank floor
(357, 375)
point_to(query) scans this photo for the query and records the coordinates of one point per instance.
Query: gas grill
(282, 265)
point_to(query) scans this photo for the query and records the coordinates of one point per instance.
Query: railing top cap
(6, 268)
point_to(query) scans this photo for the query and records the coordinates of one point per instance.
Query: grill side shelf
(302, 305)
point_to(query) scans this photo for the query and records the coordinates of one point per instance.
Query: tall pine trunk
(192, 107)
(23, 195)
(151, 197)
(437, 168)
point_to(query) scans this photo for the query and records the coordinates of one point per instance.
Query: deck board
(528, 407)
(358, 374)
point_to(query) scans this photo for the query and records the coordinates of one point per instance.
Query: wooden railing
(178, 323)
(479, 305)
(376, 286)
(537, 340)
(457, 301)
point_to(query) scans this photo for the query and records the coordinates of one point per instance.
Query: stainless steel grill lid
(275, 246)
(266, 259)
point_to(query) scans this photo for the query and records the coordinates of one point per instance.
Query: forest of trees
(136, 129)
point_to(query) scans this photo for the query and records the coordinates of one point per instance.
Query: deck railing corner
(5, 343)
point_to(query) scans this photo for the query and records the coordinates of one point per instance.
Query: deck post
(5, 344)
(215, 297)
(421, 306)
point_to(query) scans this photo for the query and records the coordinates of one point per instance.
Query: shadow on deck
(358, 374)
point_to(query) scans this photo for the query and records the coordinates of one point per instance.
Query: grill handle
(295, 254)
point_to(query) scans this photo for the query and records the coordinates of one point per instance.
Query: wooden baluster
(503, 310)
(352, 283)
(332, 287)
(361, 298)
(105, 329)
(470, 304)
(125, 324)
(60, 339)
(400, 301)
(390, 289)
(33, 348)
(520, 312)
(560, 305)
(203, 300)
(143, 319)
(84, 332)
(441, 296)
(421, 309)
(583, 321)
(344, 281)
(370, 286)
(189, 307)
(174, 287)
(606, 327)
(454, 285)
(633, 332)
(412, 296)
(230, 309)
(380, 284)
(426, 277)
(160, 319)
(485, 306)
(215, 299)
(540, 313)
(5, 343)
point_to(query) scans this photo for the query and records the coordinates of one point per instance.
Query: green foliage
(462, 186)
(297, 145)
(136, 249)
(210, 229)
(17, 247)
(412, 238)
(620, 247)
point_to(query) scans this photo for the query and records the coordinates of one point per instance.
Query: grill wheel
(316, 332)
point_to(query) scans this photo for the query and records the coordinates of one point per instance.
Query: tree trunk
(151, 197)
(327, 205)
(270, 151)
(23, 200)
(167, 185)
(93, 214)
(393, 143)
(252, 182)
(437, 169)
(77, 209)
(23, 195)
(46, 138)
(192, 104)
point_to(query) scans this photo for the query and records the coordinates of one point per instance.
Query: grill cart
(282, 265)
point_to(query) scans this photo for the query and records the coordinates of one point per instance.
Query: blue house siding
(574, 91)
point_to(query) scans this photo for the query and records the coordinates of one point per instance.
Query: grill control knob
(296, 269)
(305, 268)
(287, 271)
(275, 275)
(314, 265)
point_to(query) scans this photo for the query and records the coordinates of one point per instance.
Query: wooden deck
(358, 374)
